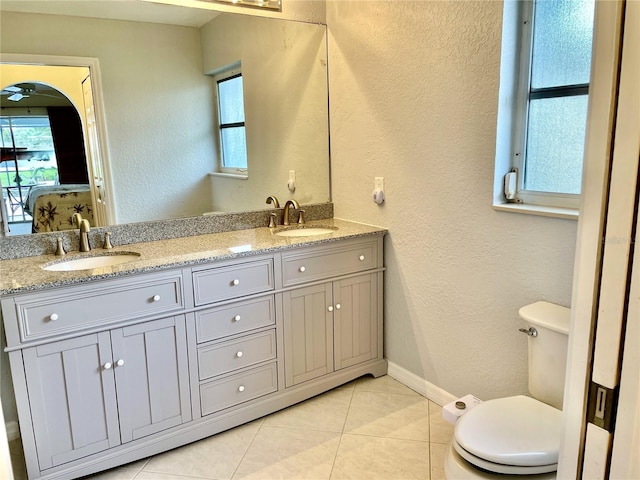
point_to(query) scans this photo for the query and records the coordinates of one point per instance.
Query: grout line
(244, 454)
(344, 423)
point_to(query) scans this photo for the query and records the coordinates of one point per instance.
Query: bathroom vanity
(194, 337)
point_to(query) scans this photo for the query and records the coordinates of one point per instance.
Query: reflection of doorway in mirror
(80, 186)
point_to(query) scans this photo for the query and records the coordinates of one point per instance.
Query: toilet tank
(547, 350)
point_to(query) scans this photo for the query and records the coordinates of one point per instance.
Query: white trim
(603, 85)
(556, 212)
(420, 385)
(96, 86)
(237, 176)
(13, 430)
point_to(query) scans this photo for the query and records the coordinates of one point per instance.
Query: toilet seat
(514, 435)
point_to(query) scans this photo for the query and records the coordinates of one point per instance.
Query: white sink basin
(87, 263)
(305, 231)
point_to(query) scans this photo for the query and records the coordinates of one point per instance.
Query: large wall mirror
(158, 103)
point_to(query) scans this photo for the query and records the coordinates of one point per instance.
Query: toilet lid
(514, 431)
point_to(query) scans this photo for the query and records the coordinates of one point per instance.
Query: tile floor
(368, 429)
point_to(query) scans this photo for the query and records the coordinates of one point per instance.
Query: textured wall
(413, 97)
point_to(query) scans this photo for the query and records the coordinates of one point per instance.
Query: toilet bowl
(519, 436)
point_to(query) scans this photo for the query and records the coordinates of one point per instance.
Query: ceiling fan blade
(16, 97)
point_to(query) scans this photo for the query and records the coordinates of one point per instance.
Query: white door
(94, 159)
(604, 333)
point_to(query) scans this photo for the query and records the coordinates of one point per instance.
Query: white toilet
(515, 436)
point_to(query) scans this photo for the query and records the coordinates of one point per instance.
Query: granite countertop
(26, 274)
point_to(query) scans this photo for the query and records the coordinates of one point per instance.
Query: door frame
(100, 151)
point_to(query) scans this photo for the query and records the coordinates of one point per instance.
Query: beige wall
(413, 97)
(155, 97)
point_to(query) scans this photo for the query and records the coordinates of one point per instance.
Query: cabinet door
(355, 320)
(72, 398)
(150, 364)
(308, 333)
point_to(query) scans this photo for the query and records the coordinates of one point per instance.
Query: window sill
(528, 209)
(238, 176)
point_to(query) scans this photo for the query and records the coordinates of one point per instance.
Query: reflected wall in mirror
(160, 114)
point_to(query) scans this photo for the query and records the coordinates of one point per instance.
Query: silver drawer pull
(241, 388)
(302, 269)
(53, 317)
(156, 298)
(107, 366)
(120, 362)
(237, 318)
(338, 306)
(361, 257)
(239, 354)
(235, 282)
(330, 308)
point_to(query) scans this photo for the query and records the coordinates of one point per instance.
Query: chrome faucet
(85, 228)
(272, 199)
(289, 204)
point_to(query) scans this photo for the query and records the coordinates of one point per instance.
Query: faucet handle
(59, 248)
(301, 218)
(272, 220)
(107, 241)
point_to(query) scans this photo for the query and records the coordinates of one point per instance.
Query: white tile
(374, 458)
(286, 453)
(441, 431)
(438, 452)
(385, 384)
(389, 415)
(324, 412)
(215, 457)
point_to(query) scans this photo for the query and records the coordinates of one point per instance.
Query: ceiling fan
(17, 92)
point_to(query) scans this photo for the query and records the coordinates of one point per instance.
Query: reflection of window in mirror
(233, 144)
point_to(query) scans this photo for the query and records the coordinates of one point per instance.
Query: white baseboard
(13, 430)
(420, 385)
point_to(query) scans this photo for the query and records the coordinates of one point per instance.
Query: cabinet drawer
(224, 283)
(78, 308)
(236, 389)
(236, 318)
(234, 354)
(326, 262)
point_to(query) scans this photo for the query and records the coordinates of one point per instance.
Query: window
(28, 158)
(232, 136)
(551, 93)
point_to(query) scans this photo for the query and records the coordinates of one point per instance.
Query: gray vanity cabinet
(72, 398)
(116, 370)
(93, 392)
(333, 325)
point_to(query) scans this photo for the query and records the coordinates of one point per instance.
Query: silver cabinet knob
(338, 306)
(239, 354)
(330, 308)
(235, 282)
(53, 317)
(120, 362)
(107, 366)
(361, 257)
(237, 318)
(302, 269)
(156, 298)
(241, 388)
